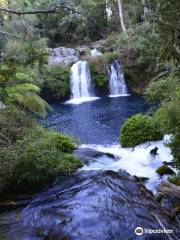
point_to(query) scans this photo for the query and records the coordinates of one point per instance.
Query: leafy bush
(163, 89)
(35, 159)
(14, 124)
(144, 41)
(99, 71)
(99, 74)
(138, 129)
(56, 84)
(26, 96)
(167, 120)
(110, 57)
(50, 140)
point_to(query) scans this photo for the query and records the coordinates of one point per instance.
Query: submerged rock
(90, 205)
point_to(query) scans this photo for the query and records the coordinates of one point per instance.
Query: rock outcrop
(63, 55)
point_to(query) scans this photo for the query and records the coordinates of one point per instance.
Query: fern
(26, 96)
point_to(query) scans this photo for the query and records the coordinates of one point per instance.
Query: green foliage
(168, 25)
(110, 57)
(16, 89)
(56, 84)
(99, 70)
(37, 157)
(25, 96)
(14, 124)
(50, 140)
(138, 129)
(165, 95)
(99, 73)
(145, 42)
(163, 89)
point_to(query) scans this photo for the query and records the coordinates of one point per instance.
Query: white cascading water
(117, 83)
(138, 162)
(81, 85)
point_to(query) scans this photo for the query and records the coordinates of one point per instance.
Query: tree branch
(52, 10)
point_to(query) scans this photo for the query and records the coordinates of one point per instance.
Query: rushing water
(117, 83)
(81, 84)
(101, 201)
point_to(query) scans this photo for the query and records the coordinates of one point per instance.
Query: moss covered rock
(164, 170)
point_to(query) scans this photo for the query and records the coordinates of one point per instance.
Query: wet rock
(170, 198)
(140, 179)
(168, 164)
(170, 189)
(8, 203)
(164, 170)
(89, 205)
(89, 155)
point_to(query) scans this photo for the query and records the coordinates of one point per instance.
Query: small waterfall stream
(81, 84)
(117, 83)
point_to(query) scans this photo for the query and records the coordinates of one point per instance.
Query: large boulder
(63, 56)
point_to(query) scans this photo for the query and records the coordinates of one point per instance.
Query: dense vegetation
(99, 71)
(56, 83)
(139, 129)
(145, 36)
(30, 155)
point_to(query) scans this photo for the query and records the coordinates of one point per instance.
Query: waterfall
(81, 86)
(117, 83)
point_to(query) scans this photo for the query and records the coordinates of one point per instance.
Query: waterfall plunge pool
(95, 122)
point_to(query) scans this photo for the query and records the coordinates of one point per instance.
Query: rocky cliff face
(63, 55)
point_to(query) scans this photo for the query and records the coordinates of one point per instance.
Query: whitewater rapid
(137, 162)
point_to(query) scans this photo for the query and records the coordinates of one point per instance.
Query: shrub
(35, 159)
(162, 89)
(99, 71)
(14, 124)
(138, 129)
(50, 140)
(56, 83)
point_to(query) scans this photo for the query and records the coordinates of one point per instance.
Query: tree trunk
(121, 16)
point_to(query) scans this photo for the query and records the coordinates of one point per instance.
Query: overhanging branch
(52, 10)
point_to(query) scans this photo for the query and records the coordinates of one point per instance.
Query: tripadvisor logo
(139, 231)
